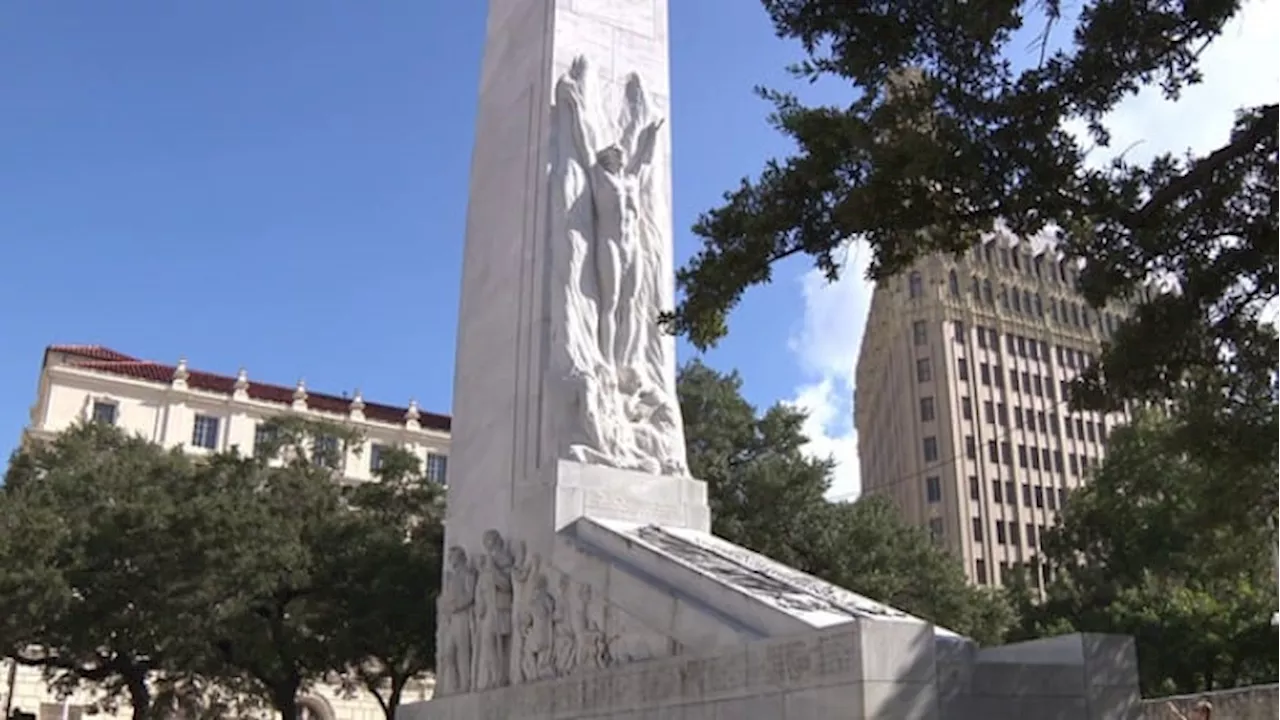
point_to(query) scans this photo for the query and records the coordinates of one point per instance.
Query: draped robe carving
(610, 264)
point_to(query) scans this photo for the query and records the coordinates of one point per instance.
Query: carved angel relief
(611, 250)
(507, 619)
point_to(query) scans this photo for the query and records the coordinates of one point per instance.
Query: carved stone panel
(508, 618)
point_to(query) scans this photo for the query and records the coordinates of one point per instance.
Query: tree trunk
(139, 696)
(285, 698)
(393, 698)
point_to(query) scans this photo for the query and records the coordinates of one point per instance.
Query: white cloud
(1239, 70)
(826, 347)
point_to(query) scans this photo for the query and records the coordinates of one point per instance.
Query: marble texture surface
(516, 410)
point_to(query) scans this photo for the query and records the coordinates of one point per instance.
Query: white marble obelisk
(567, 262)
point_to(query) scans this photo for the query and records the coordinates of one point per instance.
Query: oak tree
(382, 577)
(946, 137)
(107, 560)
(1141, 551)
(767, 494)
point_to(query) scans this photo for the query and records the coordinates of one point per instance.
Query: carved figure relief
(493, 605)
(506, 619)
(457, 598)
(611, 257)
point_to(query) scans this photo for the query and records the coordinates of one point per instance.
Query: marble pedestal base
(645, 614)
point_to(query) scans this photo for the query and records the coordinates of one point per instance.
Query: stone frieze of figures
(507, 619)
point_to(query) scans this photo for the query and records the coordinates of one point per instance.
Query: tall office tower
(961, 399)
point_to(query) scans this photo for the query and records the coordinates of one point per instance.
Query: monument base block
(618, 618)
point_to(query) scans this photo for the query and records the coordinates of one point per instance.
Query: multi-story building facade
(176, 405)
(961, 399)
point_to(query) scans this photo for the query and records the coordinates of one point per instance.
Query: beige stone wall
(1248, 703)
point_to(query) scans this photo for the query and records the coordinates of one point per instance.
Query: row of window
(1025, 347)
(1007, 533)
(205, 430)
(1002, 491)
(1028, 419)
(1042, 572)
(1031, 456)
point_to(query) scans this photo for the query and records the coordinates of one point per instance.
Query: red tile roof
(103, 359)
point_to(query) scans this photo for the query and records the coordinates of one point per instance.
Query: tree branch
(1203, 168)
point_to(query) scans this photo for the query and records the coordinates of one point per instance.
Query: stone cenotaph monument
(582, 580)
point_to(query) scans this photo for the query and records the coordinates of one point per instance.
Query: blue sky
(282, 185)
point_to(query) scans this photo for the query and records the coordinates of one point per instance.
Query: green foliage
(1143, 550)
(383, 573)
(229, 580)
(927, 160)
(337, 580)
(104, 564)
(767, 495)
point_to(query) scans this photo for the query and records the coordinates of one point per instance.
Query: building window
(980, 570)
(931, 449)
(376, 456)
(986, 292)
(962, 369)
(1022, 456)
(933, 489)
(1045, 458)
(1017, 418)
(982, 337)
(437, 468)
(1010, 496)
(264, 439)
(915, 284)
(996, 494)
(104, 412)
(1073, 463)
(1031, 535)
(1057, 461)
(977, 529)
(1039, 496)
(977, 289)
(935, 530)
(1006, 453)
(924, 371)
(1017, 301)
(984, 373)
(1001, 537)
(204, 432)
(926, 409)
(993, 452)
(970, 447)
(1002, 415)
(325, 451)
(919, 332)
(1062, 497)
(953, 283)
(989, 412)
(1013, 382)
(975, 490)
(997, 376)
(1051, 499)
(1026, 494)
(966, 408)
(959, 328)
